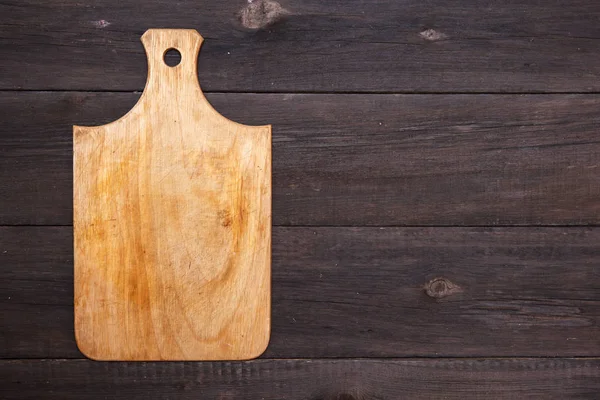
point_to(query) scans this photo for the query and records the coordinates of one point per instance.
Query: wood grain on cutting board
(172, 223)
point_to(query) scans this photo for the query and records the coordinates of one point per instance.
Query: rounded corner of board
(256, 352)
(87, 352)
(261, 346)
(265, 131)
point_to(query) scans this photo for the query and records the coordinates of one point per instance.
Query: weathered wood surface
(316, 46)
(352, 159)
(304, 379)
(436, 159)
(362, 292)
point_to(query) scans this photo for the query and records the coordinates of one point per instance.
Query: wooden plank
(309, 45)
(352, 159)
(304, 379)
(172, 224)
(362, 292)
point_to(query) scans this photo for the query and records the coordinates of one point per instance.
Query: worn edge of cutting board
(129, 304)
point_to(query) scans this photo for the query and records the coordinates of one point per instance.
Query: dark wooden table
(436, 180)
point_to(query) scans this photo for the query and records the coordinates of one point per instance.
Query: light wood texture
(172, 223)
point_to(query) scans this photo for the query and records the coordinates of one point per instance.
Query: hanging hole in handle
(172, 57)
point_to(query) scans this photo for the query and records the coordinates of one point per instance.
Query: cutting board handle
(160, 75)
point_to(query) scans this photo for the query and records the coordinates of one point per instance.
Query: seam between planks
(395, 358)
(357, 226)
(342, 92)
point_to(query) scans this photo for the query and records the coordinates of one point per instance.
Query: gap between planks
(341, 92)
(378, 358)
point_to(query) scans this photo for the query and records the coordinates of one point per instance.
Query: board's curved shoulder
(164, 80)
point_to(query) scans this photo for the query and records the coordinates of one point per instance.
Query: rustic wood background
(436, 168)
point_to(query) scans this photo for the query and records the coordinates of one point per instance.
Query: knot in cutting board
(172, 223)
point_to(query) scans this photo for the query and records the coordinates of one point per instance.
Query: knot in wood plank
(260, 14)
(439, 288)
(432, 35)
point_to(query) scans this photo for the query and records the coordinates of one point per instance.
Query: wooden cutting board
(172, 223)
